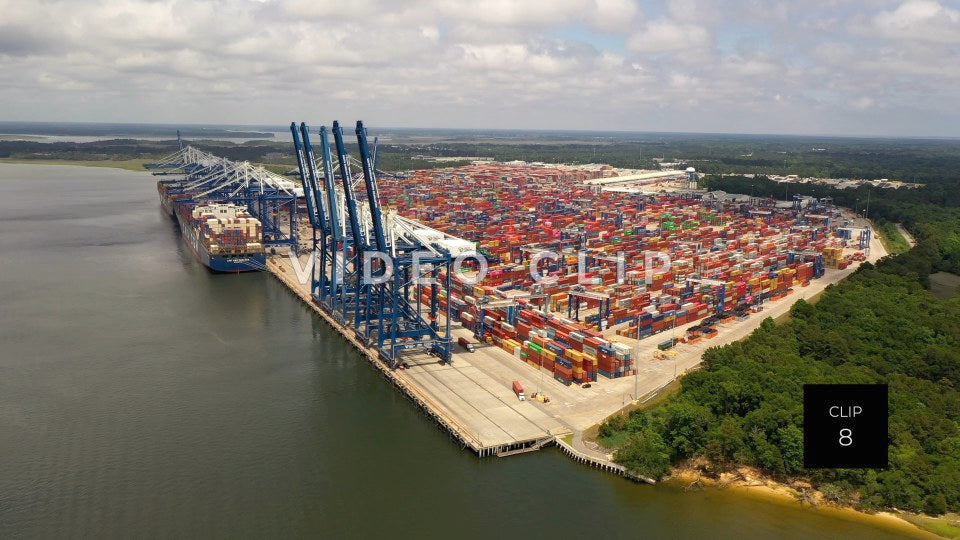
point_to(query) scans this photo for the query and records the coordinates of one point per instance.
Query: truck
(465, 344)
(518, 390)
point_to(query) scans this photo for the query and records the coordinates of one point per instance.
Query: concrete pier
(478, 412)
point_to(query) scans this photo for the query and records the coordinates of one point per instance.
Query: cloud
(23, 41)
(921, 20)
(612, 15)
(665, 35)
(594, 64)
(862, 103)
(513, 58)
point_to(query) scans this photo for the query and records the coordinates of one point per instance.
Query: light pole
(540, 384)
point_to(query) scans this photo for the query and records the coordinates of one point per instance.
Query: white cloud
(862, 103)
(665, 35)
(489, 63)
(612, 15)
(513, 58)
(694, 10)
(430, 33)
(922, 20)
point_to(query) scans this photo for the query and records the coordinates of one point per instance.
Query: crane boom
(347, 181)
(311, 164)
(373, 193)
(330, 183)
(308, 191)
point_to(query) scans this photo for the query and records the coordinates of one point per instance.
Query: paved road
(906, 235)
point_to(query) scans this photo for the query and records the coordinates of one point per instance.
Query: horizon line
(282, 128)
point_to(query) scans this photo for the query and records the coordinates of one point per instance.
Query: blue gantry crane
(372, 276)
(313, 197)
(808, 256)
(204, 177)
(577, 292)
(718, 284)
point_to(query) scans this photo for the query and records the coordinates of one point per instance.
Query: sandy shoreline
(752, 484)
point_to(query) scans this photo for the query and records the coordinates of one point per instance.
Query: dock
(472, 399)
(580, 373)
(477, 411)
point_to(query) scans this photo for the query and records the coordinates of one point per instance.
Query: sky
(834, 67)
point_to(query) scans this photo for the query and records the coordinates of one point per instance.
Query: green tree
(685, 427)
(791, 447)
(645, 454)
(725, 441)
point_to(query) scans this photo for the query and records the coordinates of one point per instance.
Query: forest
(881, 325)
(911, 160)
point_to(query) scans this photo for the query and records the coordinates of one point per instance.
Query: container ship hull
(168, 196)
(249, 262)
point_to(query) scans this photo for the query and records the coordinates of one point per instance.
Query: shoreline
(132, 164)
(135, 165)
(751, 483)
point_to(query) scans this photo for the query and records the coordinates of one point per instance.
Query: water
(141, 396)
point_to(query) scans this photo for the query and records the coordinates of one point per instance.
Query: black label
(845, 426)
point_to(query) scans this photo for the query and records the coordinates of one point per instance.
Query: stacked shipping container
(511, 210)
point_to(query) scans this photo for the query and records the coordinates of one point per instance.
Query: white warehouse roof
(636, 178)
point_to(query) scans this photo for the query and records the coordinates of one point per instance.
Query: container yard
(599, 287)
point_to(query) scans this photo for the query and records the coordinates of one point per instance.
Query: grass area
(890, 237)
(568, 438)
(785, 316)
(611, 443)
(126, 164)
(279, 168)
(947, 525)
(615, 441)
(944, 284)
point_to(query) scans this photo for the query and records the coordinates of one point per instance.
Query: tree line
(881, 325)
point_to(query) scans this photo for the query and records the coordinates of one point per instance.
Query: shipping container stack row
(227, 229)
(511, 209)
(572, 352)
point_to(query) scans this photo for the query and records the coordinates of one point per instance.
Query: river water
(142, 396)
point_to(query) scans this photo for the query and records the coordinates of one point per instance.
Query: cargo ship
(170, 191)
(222, 236)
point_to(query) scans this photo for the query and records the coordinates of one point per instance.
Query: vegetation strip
(882, 325)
